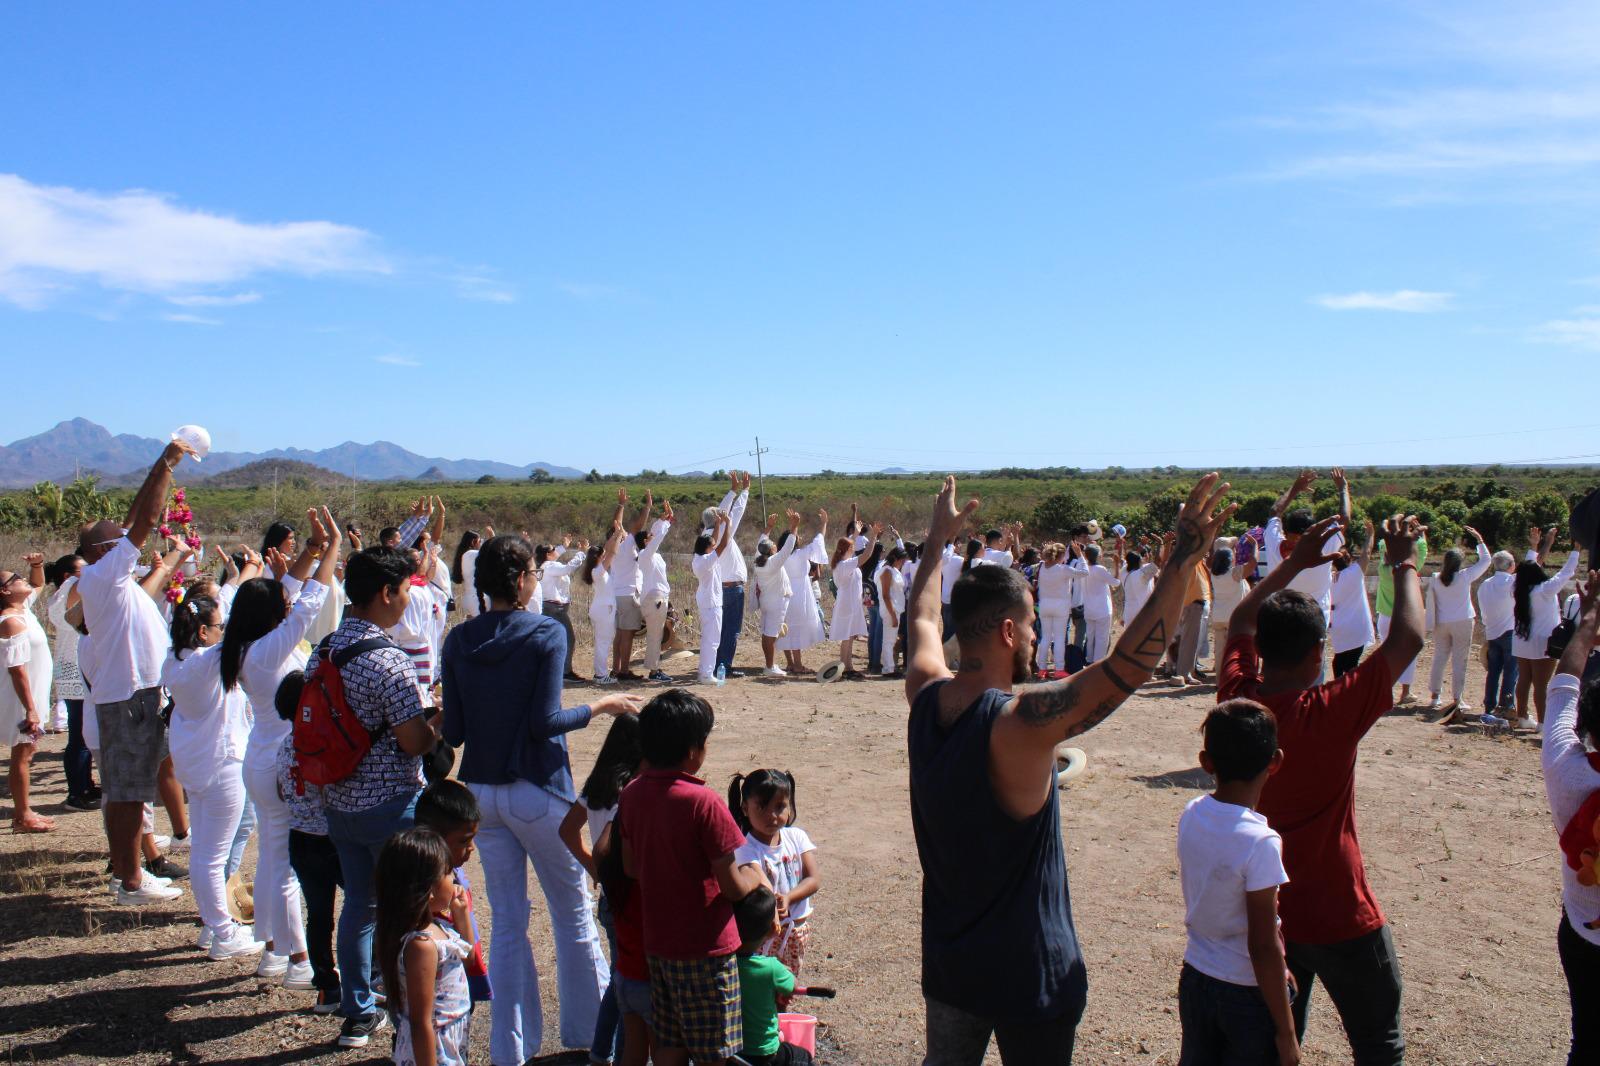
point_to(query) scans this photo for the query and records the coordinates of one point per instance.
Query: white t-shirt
(1226, 593)
(597, 819)
(625, 569)
(951, 564)
(1224, 851)
(469, 588)
(133, 637)
(708, 593)
(781, 863)
(1349, 617)
(1136, 589)
(998, 558)
(1316, 582)
(1497, 604)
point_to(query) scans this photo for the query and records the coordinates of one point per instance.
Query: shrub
(1502, 522)
(1059, 513)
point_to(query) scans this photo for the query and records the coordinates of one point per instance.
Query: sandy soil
(1458, 841)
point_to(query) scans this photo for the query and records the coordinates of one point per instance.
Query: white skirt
(773, 614)
(849, 620)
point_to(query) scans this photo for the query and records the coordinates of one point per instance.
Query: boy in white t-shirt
(1234, 995)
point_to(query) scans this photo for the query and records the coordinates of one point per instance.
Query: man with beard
(999, 953)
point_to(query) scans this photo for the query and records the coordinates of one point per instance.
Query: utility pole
(761, 479)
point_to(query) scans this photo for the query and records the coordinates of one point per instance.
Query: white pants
(604, 622)
(58, 715)
(1097, 639)
(214, 813)
(277, 893)
(521, 823)
(1452, 641)
(1053, 618)
(710, 638)
(654, 609)
(1409, 674)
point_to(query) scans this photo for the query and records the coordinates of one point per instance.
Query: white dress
(69, 682)
(803, 618)
(30, 648)
(774, 589)
(895, 599)
(849, 617)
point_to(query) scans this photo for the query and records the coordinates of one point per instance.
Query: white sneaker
(149, 878)
(149, 891)
(1433, 703)
(272, 965)
(239, 940)
(1526, 723)
(178, 843)
(203, 941)
(605, 679)
(1463, 707)
(774, 671)
(162, 841)
(298, 977)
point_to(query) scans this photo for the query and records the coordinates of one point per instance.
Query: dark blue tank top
(997, 933)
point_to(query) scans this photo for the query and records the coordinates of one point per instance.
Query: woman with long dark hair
(849, 619)
(502, 703)
(462, 568)
(1452, 616)
(76, 762)
(261, 646)
(1536, 613)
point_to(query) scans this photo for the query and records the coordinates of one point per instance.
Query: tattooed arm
(924, 638)
(1023, 742)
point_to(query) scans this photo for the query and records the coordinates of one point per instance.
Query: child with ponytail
(763, 804)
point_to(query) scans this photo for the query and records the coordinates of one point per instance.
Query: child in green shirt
(763, 980)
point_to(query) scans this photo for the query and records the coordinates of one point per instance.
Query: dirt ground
(1458, 842)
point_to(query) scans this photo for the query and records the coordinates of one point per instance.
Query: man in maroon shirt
(678, 841)
(1332, 926)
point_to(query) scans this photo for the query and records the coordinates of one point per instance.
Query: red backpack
(329, 740)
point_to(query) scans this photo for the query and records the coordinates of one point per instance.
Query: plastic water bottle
(722, 674)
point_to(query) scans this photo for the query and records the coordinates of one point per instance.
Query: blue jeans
(608, 1023)
(874, 641)
(1224, 1023)
(76, 762)
(241, 837)
(732, 622)
(1502, 669)
(358, 838)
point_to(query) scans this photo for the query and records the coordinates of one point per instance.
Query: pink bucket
(799, 1030)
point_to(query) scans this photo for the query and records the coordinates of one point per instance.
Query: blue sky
(925, 235)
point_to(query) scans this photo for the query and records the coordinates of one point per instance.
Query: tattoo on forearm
(1122, 686)
(1189, 540)
(1039, 706)
(1154, 644)
(1094, 717)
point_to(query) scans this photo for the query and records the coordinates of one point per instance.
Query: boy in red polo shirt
(678, 841)
(1332, 926)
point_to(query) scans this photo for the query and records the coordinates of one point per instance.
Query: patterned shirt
(381, 688)
(305, 811)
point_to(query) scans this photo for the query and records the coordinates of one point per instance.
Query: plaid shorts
(696, 1006)
(133, 743)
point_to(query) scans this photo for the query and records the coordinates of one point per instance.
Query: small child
(764, 806)
(450, 809)
(679, 840)
(423, 961)
(1234, 992)
(764, 984)
(312, 855)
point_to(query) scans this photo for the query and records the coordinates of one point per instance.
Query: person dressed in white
(1097, 585)
(208, 732)
(802, 626)
(462, 569)
(69, 688)
(732, 570)
(1571, 783)
(849, 615)
(655, 595)
(1495, 608)
(556, 568)
(1228, 587)
(416, 630)
(1536, 609)
(602, 608)
(260, 647)
(708, 550)
(1283, 533)
(1056, 578)
(25, 691)
(1138, 580)
(892, 607)
(625, 587)
(774, 589)
(1350, 627)
(1450, 616)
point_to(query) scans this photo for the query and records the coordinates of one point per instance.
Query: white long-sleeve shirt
(1569, 780)
(1097, 585)
(555, 583)
(1055, 585)
(266, 662)
(210, 726)
(772, 577)
(1497, 604)
(1544, 601)
(652, 567)
(1316, 582)
(1453, 602)
(730, 565)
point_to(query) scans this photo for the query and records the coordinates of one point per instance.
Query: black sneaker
(733, 674)
(83, 803)
(357, 1031)
(327, 1001)
(661, 676)
(93, 793)
(165, 867)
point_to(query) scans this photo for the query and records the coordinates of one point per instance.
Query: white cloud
(54, 239)
(1401, 300)
(1581, 332)
(191, 320)
(392, 359)
(225, 300)
(484, 288)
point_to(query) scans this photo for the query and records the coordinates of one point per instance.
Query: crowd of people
(372, 716)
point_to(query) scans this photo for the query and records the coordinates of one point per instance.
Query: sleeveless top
(997, 933)
(452, 1003)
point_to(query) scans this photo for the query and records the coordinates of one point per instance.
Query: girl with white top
(555, 589)
(1450, 615)
(763, 805)
(462, 569)
(1350, 627)
(1572, 785)
(25, 692)
(708, 549)
(1097, 584)
(802, 621)
(892, 607)
(849, 615)
(261, 646)
(1536, 610)
(596, 573)
(1228, 587)
(1138, 581)
(208, 732)
(76, 762)
(774, 587)
(1495, 608)
(1054, 594)
(655, 592)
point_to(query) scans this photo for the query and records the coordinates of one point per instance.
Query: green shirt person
(1385, 598)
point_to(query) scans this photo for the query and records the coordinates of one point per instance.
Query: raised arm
(1308, 552)
(1404, 642)
(925, 660)
(1301, 484)
(1344, 494)
(148, 503)
(644, 515)
(622, 507)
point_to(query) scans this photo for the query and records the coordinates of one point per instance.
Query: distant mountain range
(80, 446)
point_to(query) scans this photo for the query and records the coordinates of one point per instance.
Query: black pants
(788, 1055)
(1580, 961)
(76, 762)
(1224, 1024)
(1346, 661)
(316, 864)
(1362, 977)
(956, 1038)
(562, 612)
